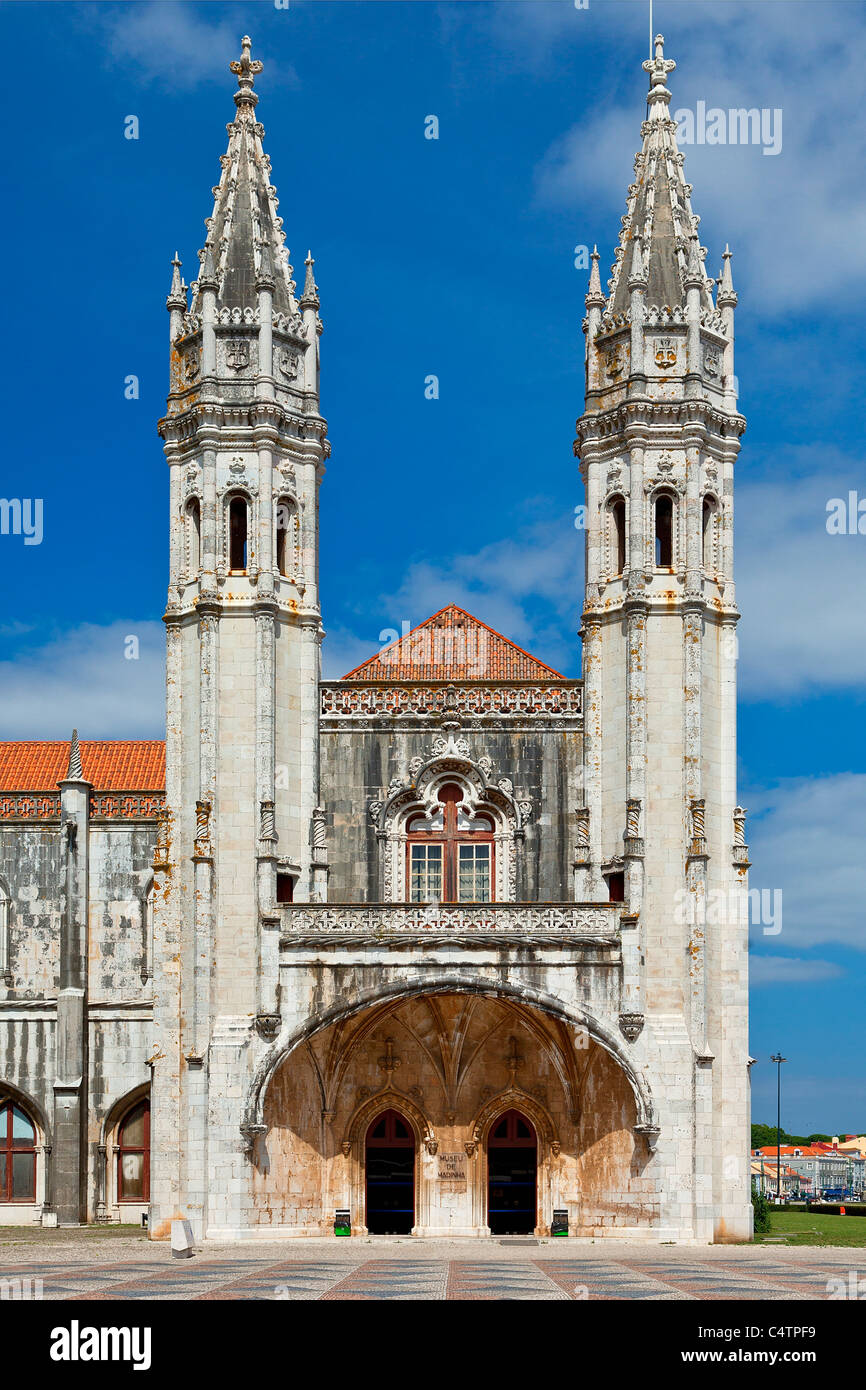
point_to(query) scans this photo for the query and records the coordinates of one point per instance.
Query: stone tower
(245, 445)
(657, 444)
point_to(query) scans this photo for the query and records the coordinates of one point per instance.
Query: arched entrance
(390, 1172)
(512, 1169)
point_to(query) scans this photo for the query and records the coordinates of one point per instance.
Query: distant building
(826, 1169)
(768, 1180)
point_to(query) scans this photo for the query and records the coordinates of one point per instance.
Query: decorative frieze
(512, 700)
(595, 920)
(103, 806)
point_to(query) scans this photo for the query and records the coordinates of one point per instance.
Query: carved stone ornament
(250, 1133)
(268, 1025)
(650, 1133)
(631, 1026)
(346, 1147)
(613, 363)
(665, 353)
(432, 1146)
(288, 363)
(237, 354)
(470, 1146)
(712, 360)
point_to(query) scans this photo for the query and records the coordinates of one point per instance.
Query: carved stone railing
(557, 923)
(103, 805)
(363, 700)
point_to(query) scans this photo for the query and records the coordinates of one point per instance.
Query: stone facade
(246, 943)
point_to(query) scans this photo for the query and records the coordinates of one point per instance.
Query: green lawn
(808, 1228)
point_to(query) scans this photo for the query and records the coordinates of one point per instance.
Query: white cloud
(800, 589)
(790, 970)
(176, 44)
(81, 678)
(806, 838)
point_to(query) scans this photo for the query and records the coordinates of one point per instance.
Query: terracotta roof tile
(109, 764)
(452, 646)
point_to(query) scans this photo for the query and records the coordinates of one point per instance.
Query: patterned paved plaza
(114, 1270)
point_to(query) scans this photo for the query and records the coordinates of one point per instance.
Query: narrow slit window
(287, 538)
(193, 531)
(709, 533)
(238, 534)
(285, 888)
(664, 531)
(617, 511)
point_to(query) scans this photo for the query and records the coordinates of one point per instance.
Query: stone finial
(310, 298)
(207, 279)
(73, 771)
(265, 277)
(659, 66)
(637, 279)
(594, 296)
(246, 69)
(726, 294)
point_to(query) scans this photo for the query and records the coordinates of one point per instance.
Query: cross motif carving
(246, 67)
(513, 1059)
(389, 1063)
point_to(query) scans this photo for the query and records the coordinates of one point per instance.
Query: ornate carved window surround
(417, 793)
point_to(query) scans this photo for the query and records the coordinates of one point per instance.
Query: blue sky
(456, 257)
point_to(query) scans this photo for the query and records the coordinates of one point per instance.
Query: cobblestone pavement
(113, 1269)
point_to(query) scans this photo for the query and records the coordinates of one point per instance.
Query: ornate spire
(245, 245)
(73, 771)
(659, 211)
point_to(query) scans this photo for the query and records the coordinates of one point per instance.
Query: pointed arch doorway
(512, 1174)
(390, 1173)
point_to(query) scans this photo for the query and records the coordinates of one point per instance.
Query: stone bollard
(181, 1240)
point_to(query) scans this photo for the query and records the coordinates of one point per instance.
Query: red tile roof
(452, 646)
(110, 764)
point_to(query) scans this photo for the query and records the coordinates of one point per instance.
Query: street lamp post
(778, 1059)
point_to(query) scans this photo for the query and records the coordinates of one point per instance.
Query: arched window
(617, 538)
(288, 537)
(133, 1154)
(193, 536)
(17, 1155)
(450, 854)
(708, 532)
(238, 526)
(664, 531)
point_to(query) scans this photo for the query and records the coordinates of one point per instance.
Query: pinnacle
(74, 772)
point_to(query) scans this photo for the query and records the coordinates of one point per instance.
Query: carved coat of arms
(666, 353)
(238, 354)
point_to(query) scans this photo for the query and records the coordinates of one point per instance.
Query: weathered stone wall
(118, 986)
